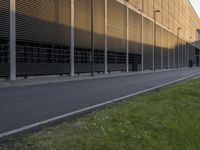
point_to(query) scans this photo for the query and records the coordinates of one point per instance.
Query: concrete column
(72, 39)
(106, 39)
(12, 39)
(127, 40)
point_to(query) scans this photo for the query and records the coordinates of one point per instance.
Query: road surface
(23, 106)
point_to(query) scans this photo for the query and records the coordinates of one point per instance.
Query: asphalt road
(22, 106)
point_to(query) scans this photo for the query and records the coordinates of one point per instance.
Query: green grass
(165, 119)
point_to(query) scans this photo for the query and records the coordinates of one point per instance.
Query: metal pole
(92, 37)
(142, 10)
(177, 56)
(178, 47)
(154, 35)
(12, 39)
(142, 45)
(189, 50)
(106, 38)
(162, 49)
(72, 39)
(127, 40)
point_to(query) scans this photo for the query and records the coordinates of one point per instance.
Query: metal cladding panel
(136, 3)
(176, 50)
(148, 7)
(41, 69)
(184, 53)
(158, 47)
(135, 33)
(187, 54)
(4, 18)
(171, 50)
(4, 57)
(4, 37)
(148, 44)
(135, 41)
(165, 49)
(43, 21)
(82, 24)
(99, 24)
(180, 53)
(116, 26)
(43, 37)
(193, 55)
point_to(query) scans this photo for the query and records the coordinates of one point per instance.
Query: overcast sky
(196, 5)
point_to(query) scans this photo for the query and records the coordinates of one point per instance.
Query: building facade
(78, 36)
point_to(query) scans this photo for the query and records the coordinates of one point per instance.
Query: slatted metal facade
(180, 53)
(116, 36)
(148, 44)
(171, 47)
(158, 47)
(4, 37)
(135, 41)
(83, 35)
(43, 37)
(165, 49)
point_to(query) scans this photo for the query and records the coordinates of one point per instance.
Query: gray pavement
(21, 106)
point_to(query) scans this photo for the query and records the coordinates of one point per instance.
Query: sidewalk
(57, 79)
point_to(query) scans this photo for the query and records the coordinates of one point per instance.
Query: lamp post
(177, 56)
(92, 38)
(154, 33)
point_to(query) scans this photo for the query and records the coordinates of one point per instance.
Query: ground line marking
(51, 120)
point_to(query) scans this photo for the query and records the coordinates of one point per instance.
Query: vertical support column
(185, 55)
(199, 57)
(154, 41)
(72, 39)
(127, 40)
(178, 53)
(168, 50)
(187, 50)
(162, 49)
(142, 44)
(182, 55)
(12, 39)
(154, 30)
(92, 38)
(106, 39)
(174, 51)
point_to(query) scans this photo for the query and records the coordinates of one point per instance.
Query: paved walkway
(58, 79)
(30, 106)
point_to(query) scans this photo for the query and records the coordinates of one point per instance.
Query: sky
(196, 5)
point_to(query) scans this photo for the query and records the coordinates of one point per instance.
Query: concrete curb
(39, 81)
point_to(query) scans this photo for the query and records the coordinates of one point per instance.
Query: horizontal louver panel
(135, 33)
(99, 24)
(148, 44)
(4, 18)
(43, 21)
(116, 26)
(82, 23)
